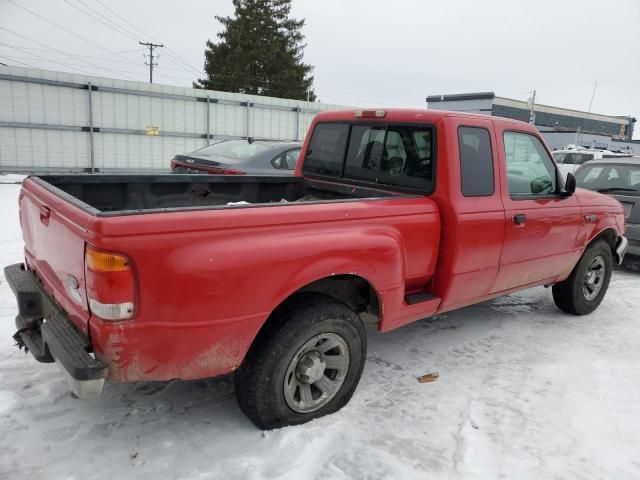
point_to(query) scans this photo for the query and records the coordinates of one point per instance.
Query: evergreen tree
(260, 53)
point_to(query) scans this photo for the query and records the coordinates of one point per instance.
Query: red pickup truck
(392, 216)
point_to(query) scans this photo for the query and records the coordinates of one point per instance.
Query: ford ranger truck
(392, 216)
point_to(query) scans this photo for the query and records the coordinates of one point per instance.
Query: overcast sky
(364, 52)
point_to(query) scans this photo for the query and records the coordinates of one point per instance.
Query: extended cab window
(476, 162)
(530, 170)
(326, 149)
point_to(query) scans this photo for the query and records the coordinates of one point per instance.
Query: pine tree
(260, 53)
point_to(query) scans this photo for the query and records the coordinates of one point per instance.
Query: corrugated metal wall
(47, 121)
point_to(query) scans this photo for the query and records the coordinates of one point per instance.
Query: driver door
(541, 224)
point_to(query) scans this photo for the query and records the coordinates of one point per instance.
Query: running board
(419, 297)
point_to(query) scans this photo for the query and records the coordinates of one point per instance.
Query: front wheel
(306, 364)
(587, 285)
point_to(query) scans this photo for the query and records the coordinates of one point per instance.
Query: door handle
(45, 213)
(519, 218)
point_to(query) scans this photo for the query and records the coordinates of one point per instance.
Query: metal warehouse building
(559, 126)
(60, 122)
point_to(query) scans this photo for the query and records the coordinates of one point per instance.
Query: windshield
(599, 177)
(235, 149)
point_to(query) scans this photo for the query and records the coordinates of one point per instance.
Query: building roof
(521, 104)
(456, 97)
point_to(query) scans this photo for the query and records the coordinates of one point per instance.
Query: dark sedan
(620, 178)
(240, 157)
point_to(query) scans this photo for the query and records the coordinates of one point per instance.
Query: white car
(569, 160)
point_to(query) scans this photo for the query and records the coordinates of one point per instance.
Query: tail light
(212, 169)
(370, 113)
(218, 170)
(110, 283)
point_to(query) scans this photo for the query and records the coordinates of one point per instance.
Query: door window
(530, 170)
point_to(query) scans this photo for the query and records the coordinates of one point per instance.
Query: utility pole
(579, 133)
(532, 113)
(151, 46)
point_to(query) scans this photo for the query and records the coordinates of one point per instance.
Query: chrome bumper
(622, 246)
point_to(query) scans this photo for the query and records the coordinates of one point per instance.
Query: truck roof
(418, 115)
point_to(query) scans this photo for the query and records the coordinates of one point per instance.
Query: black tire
(570, 295)
(260, 380)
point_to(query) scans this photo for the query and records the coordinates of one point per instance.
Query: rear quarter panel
(210, 279)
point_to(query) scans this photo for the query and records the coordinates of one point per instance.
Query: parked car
(239, 157)
(570, 159)
(392, 216)
(620, 178)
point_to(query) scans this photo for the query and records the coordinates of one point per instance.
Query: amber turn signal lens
(104, 261)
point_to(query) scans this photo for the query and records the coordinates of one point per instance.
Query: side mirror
(570, 185)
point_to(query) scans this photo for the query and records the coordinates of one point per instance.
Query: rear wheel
(587, 285)
(306, 364)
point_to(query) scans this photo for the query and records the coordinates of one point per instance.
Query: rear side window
(583, 157)
(398, 155)
(326, 149)
(291, 157)
(476, 162)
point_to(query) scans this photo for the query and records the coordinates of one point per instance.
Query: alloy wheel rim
(316, 373)
(594, 278)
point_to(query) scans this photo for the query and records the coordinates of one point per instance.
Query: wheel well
(609, 235)
(352, 290)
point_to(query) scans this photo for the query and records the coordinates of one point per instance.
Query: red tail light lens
(370, 114)
(219, 170)
(110, 284)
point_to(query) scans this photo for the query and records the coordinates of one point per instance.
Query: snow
(11, 178)
(524, 391)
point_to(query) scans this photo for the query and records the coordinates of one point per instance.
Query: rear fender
(374, 255)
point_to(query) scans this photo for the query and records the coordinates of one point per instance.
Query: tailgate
(54, 239)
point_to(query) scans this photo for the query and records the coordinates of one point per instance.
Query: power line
(100, 57)
(17, 58)
(44, 58)
(63, 28)
(53, 49)
(169, 52)
(17, 61)
(115, 28)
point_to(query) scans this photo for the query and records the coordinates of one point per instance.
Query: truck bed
(110, 195)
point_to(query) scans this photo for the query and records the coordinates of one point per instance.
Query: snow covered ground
(525, 391)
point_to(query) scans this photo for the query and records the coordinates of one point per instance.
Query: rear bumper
(56, 338)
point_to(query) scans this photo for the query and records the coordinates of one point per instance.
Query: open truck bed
(109, 195)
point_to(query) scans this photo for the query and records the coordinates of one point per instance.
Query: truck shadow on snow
(401, 352)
